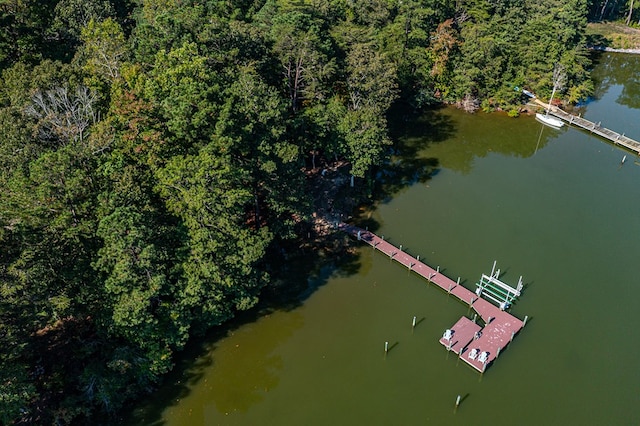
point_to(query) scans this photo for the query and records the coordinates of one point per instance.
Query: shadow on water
(305, 274)
(411, 135)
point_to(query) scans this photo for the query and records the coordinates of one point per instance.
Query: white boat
(549, 121)
(545, 118)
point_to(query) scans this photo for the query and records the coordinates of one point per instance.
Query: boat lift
(502, 294)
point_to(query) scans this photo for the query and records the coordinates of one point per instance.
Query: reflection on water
(478, 135)
(619, 70)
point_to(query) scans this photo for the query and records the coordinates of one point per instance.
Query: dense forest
(614, 10)
(152, 158)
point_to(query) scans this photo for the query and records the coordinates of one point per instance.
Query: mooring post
(438, 269)
(418, 258)
(494, 267)
(386, 347)
(400, 247)
(457, 401)
(498, 352)
(475, 316)
(449, 289)
(471, 301)
(413, 324)
(526, 317)
(513, 333)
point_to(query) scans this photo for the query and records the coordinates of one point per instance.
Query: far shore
(611, 49)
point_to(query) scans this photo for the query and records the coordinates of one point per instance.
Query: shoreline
(612, 50)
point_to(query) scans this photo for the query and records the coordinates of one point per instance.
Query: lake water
(555, 206)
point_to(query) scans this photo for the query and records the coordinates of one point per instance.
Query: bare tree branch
(62, 117)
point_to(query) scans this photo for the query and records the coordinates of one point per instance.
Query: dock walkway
(500, 326)
(615, 137)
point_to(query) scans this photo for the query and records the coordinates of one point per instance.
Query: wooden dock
(595, 128)
(466, 339)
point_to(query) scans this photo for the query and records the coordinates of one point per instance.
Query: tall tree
(302, 53)
(103, 49)
(371, 79)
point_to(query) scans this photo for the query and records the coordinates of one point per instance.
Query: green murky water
(555, 206)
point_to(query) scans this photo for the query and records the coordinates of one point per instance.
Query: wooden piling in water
(493, 337)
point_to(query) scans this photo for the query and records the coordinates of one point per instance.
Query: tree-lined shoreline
(159, 158)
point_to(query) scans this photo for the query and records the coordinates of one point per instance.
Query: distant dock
(476, 345)
(615, 137)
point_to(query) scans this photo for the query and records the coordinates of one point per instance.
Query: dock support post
(475, 316)
(457, 401)
(494, 267)
(413, 324)
(418, 258)
(471, 301)
(438, 269)
(526, 317)
(386, 347)
(498, 352)
(449, 289)
(400, 247)
(512, 335)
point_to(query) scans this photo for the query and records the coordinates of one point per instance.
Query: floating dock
(476, 345)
